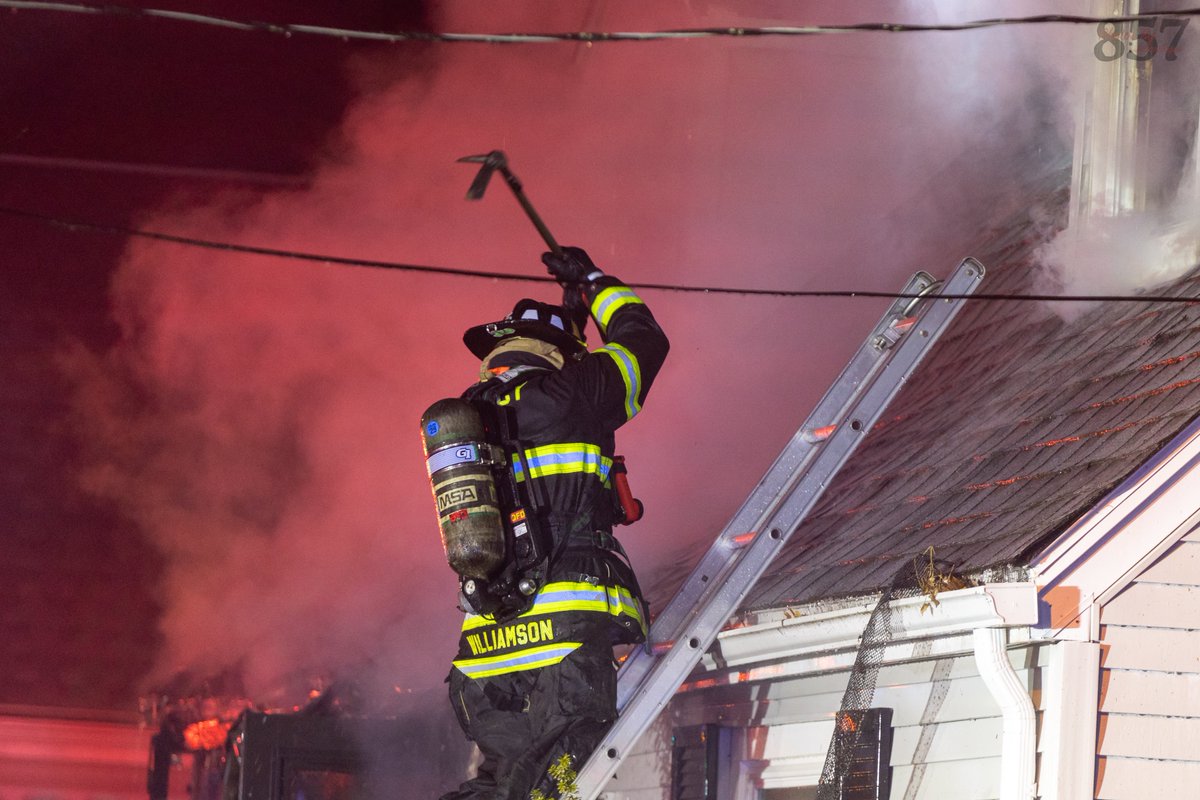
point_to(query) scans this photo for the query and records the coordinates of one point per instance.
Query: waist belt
(599, 540)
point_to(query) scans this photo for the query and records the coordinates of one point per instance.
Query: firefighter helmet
(529, 318)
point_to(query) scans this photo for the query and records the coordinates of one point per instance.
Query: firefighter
(529, 687)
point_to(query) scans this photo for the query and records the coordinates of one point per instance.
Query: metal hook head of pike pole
(489, 163)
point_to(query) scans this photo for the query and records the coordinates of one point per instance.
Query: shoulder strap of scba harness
(511, 591)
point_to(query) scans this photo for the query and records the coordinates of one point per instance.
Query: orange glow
(743, 539)
(207, 734)
(1148, 393)
(951, 521)
(1138, 318)
(1166, 362)
(904, 324)
(822, 433)
(1103, 432)
(999, 482)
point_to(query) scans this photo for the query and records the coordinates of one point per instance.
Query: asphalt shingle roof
(1014, 425)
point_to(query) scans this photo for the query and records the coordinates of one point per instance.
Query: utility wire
(76, 225)
(290, 29)
(156, 170)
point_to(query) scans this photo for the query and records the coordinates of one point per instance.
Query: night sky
(211, 459)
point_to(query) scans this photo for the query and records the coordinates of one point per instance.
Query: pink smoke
(258, 417)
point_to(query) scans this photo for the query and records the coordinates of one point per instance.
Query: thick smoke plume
(1123, 254)
(258, 417)
(1158, 239)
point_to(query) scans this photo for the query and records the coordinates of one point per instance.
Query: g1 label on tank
(432, 427)
(452, 456)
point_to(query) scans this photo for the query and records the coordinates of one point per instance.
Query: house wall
(946, 739)
(1150, 682)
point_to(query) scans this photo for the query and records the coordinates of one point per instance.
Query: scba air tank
(459, 460)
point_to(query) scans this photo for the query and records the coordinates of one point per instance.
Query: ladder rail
(655, 680)
(770, 489)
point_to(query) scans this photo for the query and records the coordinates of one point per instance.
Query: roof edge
(1148, 513)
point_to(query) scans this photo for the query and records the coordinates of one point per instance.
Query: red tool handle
(630, 505)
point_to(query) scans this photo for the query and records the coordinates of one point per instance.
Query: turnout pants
(525, 721)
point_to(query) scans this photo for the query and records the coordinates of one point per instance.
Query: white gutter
(815, 636)
(1018, 744)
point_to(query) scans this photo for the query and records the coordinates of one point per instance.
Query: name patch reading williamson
(523, 633)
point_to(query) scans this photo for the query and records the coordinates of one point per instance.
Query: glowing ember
(1170, 387)
(1000, 482)
(1166, 362)
(1104, 432)
(208, 734)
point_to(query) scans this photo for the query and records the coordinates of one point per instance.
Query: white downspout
(1018, 747)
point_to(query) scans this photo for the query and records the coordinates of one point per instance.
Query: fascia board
(806, 636)
(711, 674)
(1151, 510)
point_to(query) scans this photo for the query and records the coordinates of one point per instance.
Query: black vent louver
(694, 755)
(868, 776)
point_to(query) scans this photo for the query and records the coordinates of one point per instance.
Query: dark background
(77, 601)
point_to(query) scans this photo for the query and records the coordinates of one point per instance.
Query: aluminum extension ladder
(688, 626)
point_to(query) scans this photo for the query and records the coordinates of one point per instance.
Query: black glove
(576, 306)
(573, 266)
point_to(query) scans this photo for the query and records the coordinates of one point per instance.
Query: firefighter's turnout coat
(542, 683)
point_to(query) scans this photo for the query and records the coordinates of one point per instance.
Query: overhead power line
(76, 225)
(155, 170)
(290, 29)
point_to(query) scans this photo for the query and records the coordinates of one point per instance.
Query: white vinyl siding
(1148, 742)
(947, 729)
